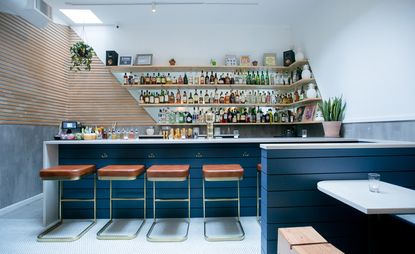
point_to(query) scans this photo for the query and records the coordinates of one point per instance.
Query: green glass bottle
(262, 78)
(258, 78)
(267, 79)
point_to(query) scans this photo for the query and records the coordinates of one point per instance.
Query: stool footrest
(125, 199)
(102, 236)
(172, 200)
(42, 237)
(77, 200)
(176, 238)
(224, 236)
(220, 199)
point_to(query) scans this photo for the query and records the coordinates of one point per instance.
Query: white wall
(189, 43)
(365, 51)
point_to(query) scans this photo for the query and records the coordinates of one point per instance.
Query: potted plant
(333, 114)
(81, 56)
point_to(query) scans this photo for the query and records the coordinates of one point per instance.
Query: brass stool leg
(238, 237)
(42, 237)
(102, 236)
(167, 239)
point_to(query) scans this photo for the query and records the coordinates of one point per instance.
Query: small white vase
(299, 55)
(311, 91)
(306, 73)
(319, 116)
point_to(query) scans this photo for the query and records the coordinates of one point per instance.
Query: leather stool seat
(168, 171)
(121, 171)
(259, 167)
(66, 172)
(223, 171)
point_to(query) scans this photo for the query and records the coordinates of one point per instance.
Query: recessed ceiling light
(80, 16)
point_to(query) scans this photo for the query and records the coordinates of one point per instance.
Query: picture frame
(299, 113)
(308, 115)
(245, 61)
(270, 59)
(125, 60)
(231, 60)
(143, 59)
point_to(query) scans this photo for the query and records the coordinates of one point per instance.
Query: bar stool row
(155, 173)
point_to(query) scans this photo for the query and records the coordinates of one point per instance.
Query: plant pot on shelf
(332, 129)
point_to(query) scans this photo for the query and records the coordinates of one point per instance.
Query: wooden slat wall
(37, 88)
(96, 97)
(33, 72)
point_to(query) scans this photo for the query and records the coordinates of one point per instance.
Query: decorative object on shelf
(333, 114)
(245, 61)
(111, 58)
(308, 115)
(150, 131)
(255, 63)
(270, 59)
(126, 60)
(213, 62)
(231, 60)
(299, 114)
(81, 56)
(143, 59)
(299, 55)
(311, 91)
(306, 73)
(289, 57)
(172, 62)
(319, 116)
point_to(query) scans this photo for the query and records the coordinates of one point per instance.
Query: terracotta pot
(332, 129)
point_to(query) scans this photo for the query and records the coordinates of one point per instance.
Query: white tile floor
(19, 229)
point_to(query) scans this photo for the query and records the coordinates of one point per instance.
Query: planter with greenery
(333, 114)
(81, 56)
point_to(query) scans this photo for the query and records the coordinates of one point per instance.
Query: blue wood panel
(290, 196)
(248, 155)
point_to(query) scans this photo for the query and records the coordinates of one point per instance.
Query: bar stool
(258, 189)
(67, 173)
(168, 173)
(121, 173)
(223, 172)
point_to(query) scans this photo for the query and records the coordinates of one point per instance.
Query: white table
(391, 199)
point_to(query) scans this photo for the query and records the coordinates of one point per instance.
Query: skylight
(79, 16)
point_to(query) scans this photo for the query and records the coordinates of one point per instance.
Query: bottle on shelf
(125, 80)
(196, 97)
(202, 79)
(185, 79)
(147, 79)
(158, 79)
(153, 79)
(190, 99)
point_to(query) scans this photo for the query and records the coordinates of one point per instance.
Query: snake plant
(333, 109)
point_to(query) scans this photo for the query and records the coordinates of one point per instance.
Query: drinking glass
(374, 180)
(304, 133)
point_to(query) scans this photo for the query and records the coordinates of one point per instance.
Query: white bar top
(391, 199)
(362, 143)
(199, 141)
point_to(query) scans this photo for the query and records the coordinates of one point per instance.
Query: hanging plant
(81, 56)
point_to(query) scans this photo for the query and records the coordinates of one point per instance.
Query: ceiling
(265, 12)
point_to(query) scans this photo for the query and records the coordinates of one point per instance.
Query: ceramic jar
(311, 91)
(299, 55)
(306, 73)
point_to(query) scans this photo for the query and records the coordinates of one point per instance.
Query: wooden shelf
(306, 101)
(221, 86)
(228, 124)
(195, 68)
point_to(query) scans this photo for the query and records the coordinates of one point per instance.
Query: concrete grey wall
(21, 158)
(398, 130)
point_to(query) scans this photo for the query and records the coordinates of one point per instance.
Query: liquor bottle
(152, 98)
(146, 98)
(237, 98)
(242, 98)
(227, 79)
(253, 79)
(224, 116)
(189, 118)
(248, 78)
(125, 82)
(230, 116)
(223, 98)
(163, 79)
(196, 80)
(190, 99)
(136, 79)
(290, 98)
(201, 101)
(218, 116)
(253, 115)
(158, 79)
(302, 93)
(262, 79)
(216, 79)
(147, 80)
(184, 98)
(207, 79)
(212, 78)
(196, 97)
(142, 79)
(141, 97)
(276, 117)
(268, 98)
(258, 78)
(156, 98)
(232, 81)
(185, 80)
(202, 79)
(232, 97)
(296, 96)
(267, 82)
(216, 98)
(234, 116)
(153, 79)
(180, 80)
(161, 97)
(168, 79)
(238, 116)
(243, 116)
(206, 99)
(171, 98)
(178, 97)
(181, 117)
(131, 78)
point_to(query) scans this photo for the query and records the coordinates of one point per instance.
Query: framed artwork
(245, 61)
(308, 115)
(270, 59)
(126, 60)
(143, 59)
(299, 114)
(231, 60)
